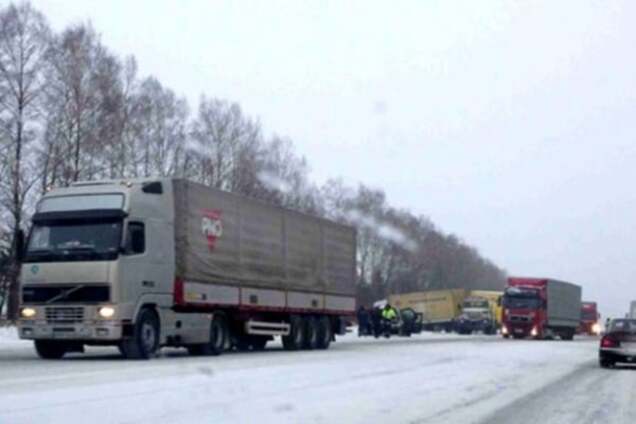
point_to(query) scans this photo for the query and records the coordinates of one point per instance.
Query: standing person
(363, 321)
(376, 322)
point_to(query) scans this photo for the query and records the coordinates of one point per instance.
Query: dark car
(618, 344)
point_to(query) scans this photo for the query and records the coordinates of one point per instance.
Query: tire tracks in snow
(586, 395)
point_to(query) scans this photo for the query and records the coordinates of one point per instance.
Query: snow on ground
(9, 335)
(424, 379)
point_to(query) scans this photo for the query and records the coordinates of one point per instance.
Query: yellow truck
(439, 308)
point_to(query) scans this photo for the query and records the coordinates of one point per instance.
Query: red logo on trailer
(211, 226)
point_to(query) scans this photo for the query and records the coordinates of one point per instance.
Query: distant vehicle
(618, 345)
(540, 308)
(494, 299)
(589, 319)
(477, 315)
(439, 308)
(632, 309)
(481, 311)
(167, 262)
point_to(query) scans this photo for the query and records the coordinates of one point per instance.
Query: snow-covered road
(425, 379)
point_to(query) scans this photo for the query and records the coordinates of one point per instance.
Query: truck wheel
(325, 333)
(144, 343)
(311, 333)
(218, 336)
(49, 349)
(296, 338)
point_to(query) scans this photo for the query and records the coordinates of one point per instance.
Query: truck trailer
(439, 308)
(540, 308)
(142, 264)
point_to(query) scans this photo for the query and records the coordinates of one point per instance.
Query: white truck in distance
(167, 262)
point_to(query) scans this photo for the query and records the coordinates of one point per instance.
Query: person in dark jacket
(363, 321)
(376, 322)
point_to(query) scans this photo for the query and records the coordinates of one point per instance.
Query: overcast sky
(511, 124)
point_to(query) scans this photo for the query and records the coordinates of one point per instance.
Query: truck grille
(66, 293)
(64, 315)
(519, 318)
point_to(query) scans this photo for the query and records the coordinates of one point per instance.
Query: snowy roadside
(9, 336)
(426, 378)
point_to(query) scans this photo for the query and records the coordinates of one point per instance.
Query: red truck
(589, 319)
(540, 308)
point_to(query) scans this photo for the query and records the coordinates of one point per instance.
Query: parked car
(618, 344)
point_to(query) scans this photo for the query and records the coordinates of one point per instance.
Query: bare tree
(158, 125)
(224, 146)
(84, 104)
(24, 35)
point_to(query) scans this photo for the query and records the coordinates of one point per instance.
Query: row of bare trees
(70, 109)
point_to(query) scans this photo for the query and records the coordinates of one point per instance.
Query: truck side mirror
(19, 245)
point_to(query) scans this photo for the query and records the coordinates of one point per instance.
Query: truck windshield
(77, 240)
(479, 303)
(588, 315)
(522, 300)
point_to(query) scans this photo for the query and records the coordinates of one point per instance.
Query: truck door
(134, 263)
(148, 265)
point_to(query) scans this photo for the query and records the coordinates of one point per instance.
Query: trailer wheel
(296, 338)
(144, 343)
(50, 349)
(311, 333)
(218, 336)
(325, 333)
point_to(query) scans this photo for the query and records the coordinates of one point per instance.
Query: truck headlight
(596, 328)
(106, 311)
(504, 329)
(534, 332)
(28, 312)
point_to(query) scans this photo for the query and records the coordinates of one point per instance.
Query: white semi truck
(166, 262)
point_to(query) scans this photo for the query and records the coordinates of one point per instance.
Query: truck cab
(589, 319)
(476, 316)
(523, 312)
(97, 254)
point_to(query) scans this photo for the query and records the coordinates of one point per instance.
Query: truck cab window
(136, 243)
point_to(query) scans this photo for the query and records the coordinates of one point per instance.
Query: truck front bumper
(69, 323)
(470, 325)
(517, 330)
(101, 331)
